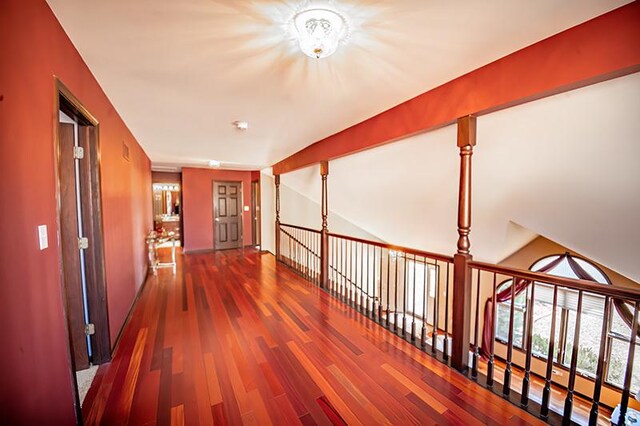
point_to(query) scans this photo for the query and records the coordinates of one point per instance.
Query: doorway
(80, 234)
(255, 213)
(227, 215)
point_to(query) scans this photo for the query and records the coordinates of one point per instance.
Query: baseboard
(127, 319)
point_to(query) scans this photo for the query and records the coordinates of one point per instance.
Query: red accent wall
(197, 205)
(600, 49)
(35, 380)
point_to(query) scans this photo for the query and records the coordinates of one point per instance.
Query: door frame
(215, 210)
(65, 101)
(256, 237)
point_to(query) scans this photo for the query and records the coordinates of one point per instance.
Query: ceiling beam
(600, 49)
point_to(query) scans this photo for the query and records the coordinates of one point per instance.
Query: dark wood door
(227, 208)
(70, 249)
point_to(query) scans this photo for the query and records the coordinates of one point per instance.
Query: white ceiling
(179, 72)
(565, 167)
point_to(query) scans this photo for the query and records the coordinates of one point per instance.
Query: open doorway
(255, 214)
(77, 150)
(167, 204)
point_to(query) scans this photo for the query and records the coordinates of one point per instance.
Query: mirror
(166, 201)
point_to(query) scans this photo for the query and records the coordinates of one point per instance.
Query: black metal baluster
(476, 352)
(413, 303)
(395, 297)
(370, 283)
(597, 387)
(568, 402)
(493, 340)
(445, 343)
(305, 253)
(361, 275)
(436, 307)
(546, 391)
(344, 269)
(524, 400)
(334, 270)
(351, 274)
(425, 302)
(404, 295)
(388, 284)
(380, 291)
(506, 390)
(626, 391)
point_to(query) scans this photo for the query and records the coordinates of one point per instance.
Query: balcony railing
(300, 250)
(436, 302)
(557, 293)
(410, 293)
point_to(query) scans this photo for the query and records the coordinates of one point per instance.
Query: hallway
(234, 338)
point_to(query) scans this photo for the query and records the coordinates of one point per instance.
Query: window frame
(560, 359)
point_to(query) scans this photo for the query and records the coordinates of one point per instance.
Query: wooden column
(277, 177)
(461, 321)
(324, 234)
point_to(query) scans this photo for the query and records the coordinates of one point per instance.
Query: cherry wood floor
(234, 338)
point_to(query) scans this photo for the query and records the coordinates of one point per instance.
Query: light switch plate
(246, 208)
(43, 237)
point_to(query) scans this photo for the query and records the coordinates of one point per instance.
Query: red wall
(35, 381)
(197, 205)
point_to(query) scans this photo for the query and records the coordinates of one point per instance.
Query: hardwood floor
(234, 338)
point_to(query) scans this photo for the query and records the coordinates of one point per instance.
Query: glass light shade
(319, 31)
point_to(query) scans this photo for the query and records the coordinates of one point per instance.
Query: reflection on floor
(234, 338)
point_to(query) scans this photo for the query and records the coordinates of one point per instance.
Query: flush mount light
(320, 30)
(214, 163)
(241, 125)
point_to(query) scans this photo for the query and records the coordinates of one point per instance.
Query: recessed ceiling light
(214, 163)
(241, 125)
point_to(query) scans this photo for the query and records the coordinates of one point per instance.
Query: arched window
(593, 308)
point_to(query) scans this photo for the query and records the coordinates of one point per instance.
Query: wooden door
(70, 250)
(227, 208)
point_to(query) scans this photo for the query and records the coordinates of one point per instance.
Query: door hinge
(78, 152)
(89, 329)
(83, 243)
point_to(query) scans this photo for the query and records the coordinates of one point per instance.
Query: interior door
(71, 259)
(227, 208)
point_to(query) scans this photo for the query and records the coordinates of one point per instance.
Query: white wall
(299, 209)
(566, 167)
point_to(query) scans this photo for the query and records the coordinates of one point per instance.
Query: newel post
(324, 233)
(277, 217)
(461, 320)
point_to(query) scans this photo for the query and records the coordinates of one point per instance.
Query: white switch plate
(43, 237)
(246, 208)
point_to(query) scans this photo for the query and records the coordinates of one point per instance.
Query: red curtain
(521, 285)
(622, 308)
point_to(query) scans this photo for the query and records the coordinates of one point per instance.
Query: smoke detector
(241, 125)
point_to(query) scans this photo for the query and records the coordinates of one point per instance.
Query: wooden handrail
(430, 255)
(302, 228)
(575, 284)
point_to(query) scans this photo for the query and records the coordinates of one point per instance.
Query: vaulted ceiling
(179, 72)
(565, 167)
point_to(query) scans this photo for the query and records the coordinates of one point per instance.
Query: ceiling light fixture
(319, 31)
(241, 125)
(214, 163)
